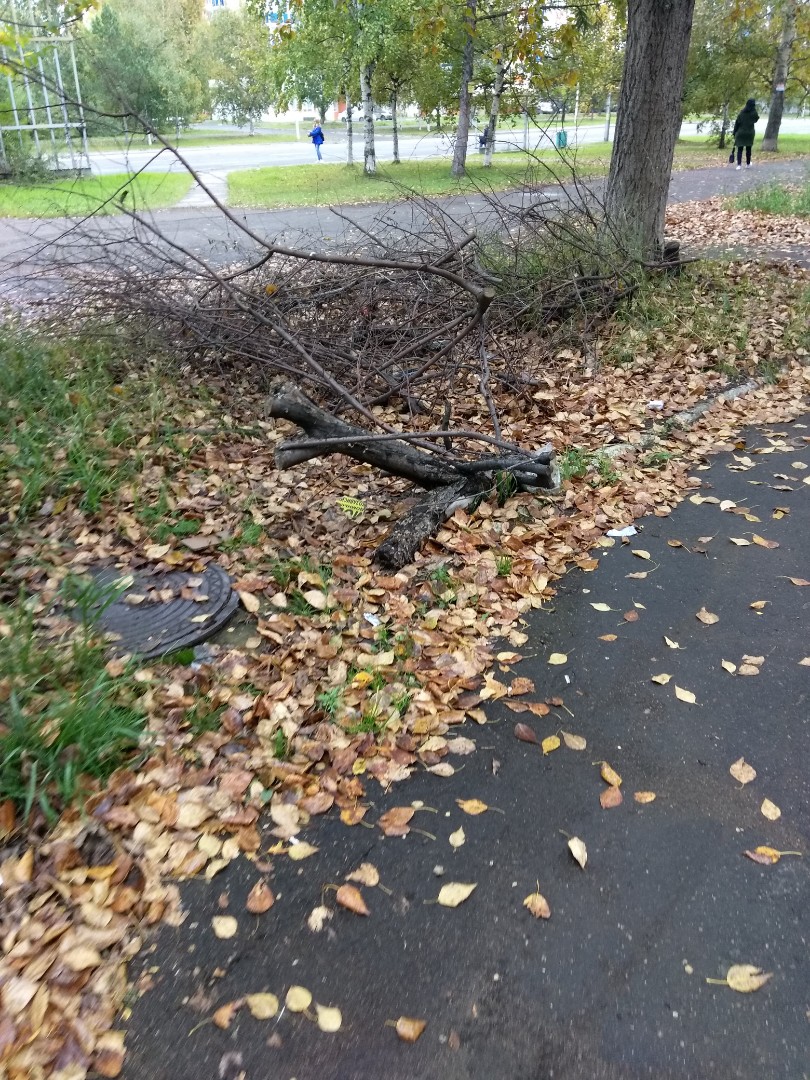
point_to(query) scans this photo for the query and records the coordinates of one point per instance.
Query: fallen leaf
(630, 616)
(366, 874)
(578, 850)
(805, 662)
(607, 637)
(609, 775)
(108, 1056)
(301, 850)
(644, 796)
(748, 669)
(328, 1018)
(225, 926)
(81, 958)
(410, 1029)
(762, 542)
(798, 581)
(639, 575)
(685, 695)
(525, 734)
(262, 1006)
(157, 551)
(550, 744)
(768, 855)
(472, 806)
(640, 554)
(759, 605)
(674, 543)
(670, 643)
(770, 810)
(661, 679)
(521, 686)
(250, 602)
(742, 771)
(601, 607)
(350, 897)
(316, 599)
(537, 905)
(744, 978)
(708, 618)
(298, 999)
(610, 797)
(457, 838)
(454, 893)
(558, 658)
(573, 742)
(260, 898)
(394, 822)
(225, 1013)
(318, 918)
(727, 665)
(739, 541)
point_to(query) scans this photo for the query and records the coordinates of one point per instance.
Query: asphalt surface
(613, 986)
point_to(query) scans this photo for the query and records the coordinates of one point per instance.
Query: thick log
(420, 523)
(396, 457)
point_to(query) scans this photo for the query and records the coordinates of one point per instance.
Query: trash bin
(562, 140)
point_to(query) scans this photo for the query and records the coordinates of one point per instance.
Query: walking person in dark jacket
(744, 132)
(317, 139)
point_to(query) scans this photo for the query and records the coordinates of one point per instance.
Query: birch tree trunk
(647, 122)
(494, 109)
(467, 63)
(780, 74)
(349, 130)
(369, 157)
(395, 126)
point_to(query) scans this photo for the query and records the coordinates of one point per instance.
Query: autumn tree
(241, 69)
(787, 15)
(648, 121)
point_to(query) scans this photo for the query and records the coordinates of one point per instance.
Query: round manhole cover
(151, 614)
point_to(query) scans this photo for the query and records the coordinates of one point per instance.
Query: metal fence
(41, 113)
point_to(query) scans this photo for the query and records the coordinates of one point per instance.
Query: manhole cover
(159, 613)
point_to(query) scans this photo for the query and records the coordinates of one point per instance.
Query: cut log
(420, 523)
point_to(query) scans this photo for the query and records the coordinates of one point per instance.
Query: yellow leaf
(805, 662)
(742, 771)
(301, 850)
(366, 874)
(157, 551)
(770, 810)
(746, 978)
(672, 644)
(764, 854)
(271, 289)
(350, 897)
(262, 1006)
(250, 602)
(661, 679)
(601, 607)
(298, 999)
(708, 618)
(727, 665)
(410, 1029)
(641, 554)
(578, 850)
(759, 605)
(740, 542)
(748, 669)
(454, 893)
(538, 906)
(573, 742)
(607, 637)
(685, 695)
(362, 678)
(81, 958)
(762, 542)
(329, 1018)
(225, 1014)
(457, 838)
(472, 806)
(550, 743)
(610, 776)
(225, 926)
(644, 796)
(315, 598)
(558, 658)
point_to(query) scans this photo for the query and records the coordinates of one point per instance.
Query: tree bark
(420, 523)
(395, 125)
(647, 121)
(369, 156)
(723, 127)
(494, 109)
(467, 63)
(780, 74)
(349, 130)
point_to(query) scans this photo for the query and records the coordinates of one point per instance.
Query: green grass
(788, 200)
(69, 427)
(788, 145)
(68, 198)
(66, 723)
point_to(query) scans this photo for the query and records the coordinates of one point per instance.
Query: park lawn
(74, 197)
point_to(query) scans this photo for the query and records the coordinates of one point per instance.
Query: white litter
(619, 534)
(656, 405)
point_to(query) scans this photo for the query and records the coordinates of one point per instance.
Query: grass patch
(787, 200)
(100, 194)
(70, 429)
(67, 724)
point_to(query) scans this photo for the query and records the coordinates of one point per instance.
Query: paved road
(613, 986)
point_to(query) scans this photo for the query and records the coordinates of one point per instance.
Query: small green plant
(440, 575)
(574, 463)
(200, 718)
(330, 700)
(183, 527)
(298, 605)
(402, 702)
(281, 746)
(787, 200)
(382, 638)
(769, 371)
(503, 565)
(505, 487)
(606, 469)
(370, 722)
(656, 459)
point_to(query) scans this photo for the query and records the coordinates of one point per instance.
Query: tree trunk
(723, 127)
(780, 74)
(467, 63)
(369, 157)
(349, 130)
(395, 125)
(647, 121)
(494, 109)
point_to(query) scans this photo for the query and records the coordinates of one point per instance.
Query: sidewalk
(613, 986)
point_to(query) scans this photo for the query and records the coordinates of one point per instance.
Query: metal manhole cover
(159, 613)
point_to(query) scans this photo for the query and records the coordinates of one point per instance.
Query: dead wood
(422, 520)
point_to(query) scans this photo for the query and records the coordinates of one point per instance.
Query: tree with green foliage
(241, 68)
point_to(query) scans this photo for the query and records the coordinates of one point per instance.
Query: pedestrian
(744, 133)
(317, 139)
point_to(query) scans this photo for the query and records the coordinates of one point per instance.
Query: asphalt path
(614, 985)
